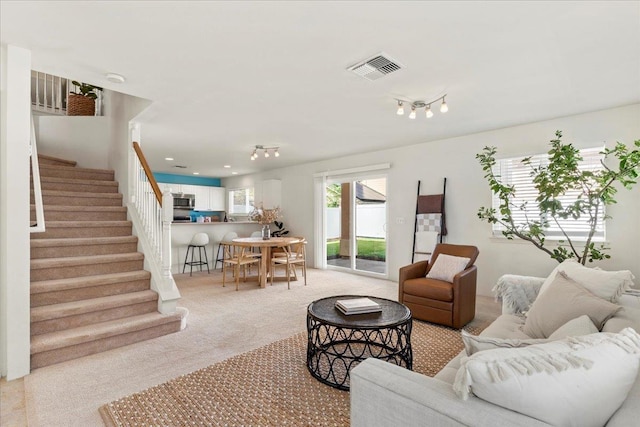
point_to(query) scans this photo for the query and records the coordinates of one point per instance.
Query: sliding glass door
(356, 217)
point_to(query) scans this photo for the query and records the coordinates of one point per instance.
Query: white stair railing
(49, 94)
(151, 216)
(39, 226)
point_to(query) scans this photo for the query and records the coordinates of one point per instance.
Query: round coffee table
(338, 342)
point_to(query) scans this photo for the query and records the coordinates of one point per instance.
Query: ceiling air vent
(375, 67)
(179, 166)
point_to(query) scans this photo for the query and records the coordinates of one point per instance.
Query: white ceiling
(225, 76)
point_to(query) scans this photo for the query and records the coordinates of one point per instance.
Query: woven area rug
(269, 386)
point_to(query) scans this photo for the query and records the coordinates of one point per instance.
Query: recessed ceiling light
(227, 166)
(234, 173)
(196, 173)
(115, 78)
(168, 158)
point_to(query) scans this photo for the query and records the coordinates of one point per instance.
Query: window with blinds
(514, 172)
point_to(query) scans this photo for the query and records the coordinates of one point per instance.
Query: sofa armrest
(383, 394)
(517, 292)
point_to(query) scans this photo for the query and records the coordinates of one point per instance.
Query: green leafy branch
(553, 181)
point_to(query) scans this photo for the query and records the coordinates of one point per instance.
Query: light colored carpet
(222, 323)
(269, 386)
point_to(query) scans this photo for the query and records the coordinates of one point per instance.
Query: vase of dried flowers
(266, 232)
(265, 217)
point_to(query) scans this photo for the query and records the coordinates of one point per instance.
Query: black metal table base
(332, 351)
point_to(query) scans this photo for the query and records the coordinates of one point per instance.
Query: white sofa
(383, 394)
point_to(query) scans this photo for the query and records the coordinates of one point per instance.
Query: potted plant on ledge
(82, 102)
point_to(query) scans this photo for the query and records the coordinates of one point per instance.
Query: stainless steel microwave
(183, 201)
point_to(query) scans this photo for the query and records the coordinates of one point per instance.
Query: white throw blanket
(426, 241)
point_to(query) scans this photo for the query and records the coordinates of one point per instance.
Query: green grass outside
(368, 248)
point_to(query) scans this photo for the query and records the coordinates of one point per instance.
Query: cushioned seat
(429, 288)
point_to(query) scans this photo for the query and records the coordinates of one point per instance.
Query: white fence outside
(370, 221)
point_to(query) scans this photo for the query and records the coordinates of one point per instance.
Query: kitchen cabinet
(207, 198)
(217, 198)
(186, 189)
(162, 187)
(173, 188)
(200, 192)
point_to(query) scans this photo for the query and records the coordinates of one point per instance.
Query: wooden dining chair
(292, 256)
(254, 252)
(279, 251)
(238, 257)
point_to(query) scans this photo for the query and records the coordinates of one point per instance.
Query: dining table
(265, 247)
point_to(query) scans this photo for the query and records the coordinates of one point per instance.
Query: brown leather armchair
(437, 301)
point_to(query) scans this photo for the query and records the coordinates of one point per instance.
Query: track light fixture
(266, 151)
(415, 105)
(429, 113)
(444, 107)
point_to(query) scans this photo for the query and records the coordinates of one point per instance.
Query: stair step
(58, 291)
(62, 268)
(72, 198)
(82, 213)
(73, 247)
(79, 185)
(70, 229)
(76, 173)
(56, 347)
(50, 160)
(52, 318)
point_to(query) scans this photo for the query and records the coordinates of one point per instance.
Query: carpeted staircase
(89, 292)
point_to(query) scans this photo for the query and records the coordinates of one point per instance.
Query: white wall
(15, 132)
(83, 139)
(121, 109)
(94, 142)
(467, 190)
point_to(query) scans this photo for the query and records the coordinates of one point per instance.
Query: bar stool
(200, 241)
(226, 239)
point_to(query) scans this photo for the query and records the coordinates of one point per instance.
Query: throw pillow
(574, 328)
(476, 343)
(577, 381)
(552, 275)
(605, 284)
(562, 301)
(626, 317)
(446, 267)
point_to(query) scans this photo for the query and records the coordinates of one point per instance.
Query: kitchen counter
(183, 232)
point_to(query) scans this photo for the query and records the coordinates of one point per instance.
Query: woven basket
(78, 105)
